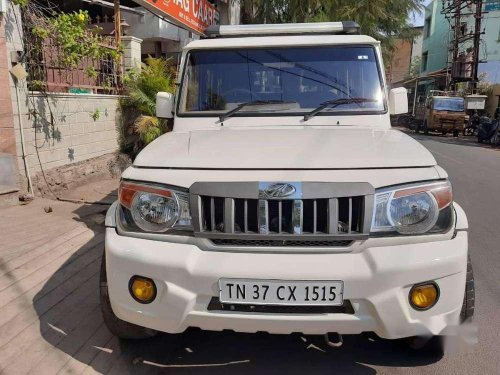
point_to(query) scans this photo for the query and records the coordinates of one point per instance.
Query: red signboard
(195, 15)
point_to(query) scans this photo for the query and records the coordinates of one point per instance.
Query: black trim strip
(216, 305)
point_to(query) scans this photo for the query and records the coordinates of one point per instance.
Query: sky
(418, 19)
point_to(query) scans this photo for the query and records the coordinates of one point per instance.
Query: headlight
(413, 209)
(153, 208)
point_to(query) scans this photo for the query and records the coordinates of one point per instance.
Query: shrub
(140, 126)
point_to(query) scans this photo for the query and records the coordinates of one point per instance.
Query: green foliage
(96, 115)
(37, 85)
(142, 86)
(149, 128)
(415, 68)
(385, 20)
(40, 32)
(76, 41)
(91, 72)
(21, 3)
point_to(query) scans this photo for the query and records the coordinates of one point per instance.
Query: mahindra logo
(278, 190)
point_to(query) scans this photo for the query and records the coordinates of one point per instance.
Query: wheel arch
(461, 218)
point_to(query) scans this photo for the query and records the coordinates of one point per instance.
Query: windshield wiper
(246, 104)
(335, 103)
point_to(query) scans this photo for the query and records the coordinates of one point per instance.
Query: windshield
(291, 80)
(449, 104)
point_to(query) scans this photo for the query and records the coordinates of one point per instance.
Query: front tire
(470, 295)
(118, 327)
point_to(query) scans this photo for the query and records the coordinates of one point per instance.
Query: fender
(461, 218)
(110, 221)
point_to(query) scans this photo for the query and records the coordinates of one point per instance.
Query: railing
(93, 75)
(46, 60)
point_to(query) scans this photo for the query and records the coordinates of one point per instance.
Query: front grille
(317, 210)
(216, 305)
(280, 243)
(307, 216)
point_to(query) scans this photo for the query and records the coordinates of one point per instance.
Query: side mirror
(164, 105)
(398, 101)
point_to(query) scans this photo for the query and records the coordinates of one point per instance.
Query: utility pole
(465, 43)
(477, 42)
(118, 20)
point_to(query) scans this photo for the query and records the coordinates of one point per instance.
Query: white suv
(282, 201)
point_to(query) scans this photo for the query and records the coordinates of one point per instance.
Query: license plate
(281, 292)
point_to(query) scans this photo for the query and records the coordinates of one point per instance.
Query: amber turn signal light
(424, 296)
(142, 289)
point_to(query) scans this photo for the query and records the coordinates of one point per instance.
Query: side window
(427, 27)
(425, 57)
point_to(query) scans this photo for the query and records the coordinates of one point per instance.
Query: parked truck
(441, 112)
(282, 201)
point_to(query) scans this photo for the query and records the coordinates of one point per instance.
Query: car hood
(304, 148)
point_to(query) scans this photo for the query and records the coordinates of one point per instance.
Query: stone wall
(61, 129)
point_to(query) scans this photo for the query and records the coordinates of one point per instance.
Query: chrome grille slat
(298, 216)
(315, 216)
(280, 214)
(212, 214)
(333, 215)
(263, 222)
(245, 216)
(349, 222)
(229, 215)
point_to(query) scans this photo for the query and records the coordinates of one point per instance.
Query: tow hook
(334, 339)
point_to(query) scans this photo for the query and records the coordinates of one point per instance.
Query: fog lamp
(142, 289)
(424, 296)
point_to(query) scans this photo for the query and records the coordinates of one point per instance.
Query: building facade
(406, 53)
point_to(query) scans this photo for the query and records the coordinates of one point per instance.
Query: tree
(415, 68)
(385, 20)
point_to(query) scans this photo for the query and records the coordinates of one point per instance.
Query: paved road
(50, 319)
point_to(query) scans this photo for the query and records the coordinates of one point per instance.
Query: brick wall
(399, 66)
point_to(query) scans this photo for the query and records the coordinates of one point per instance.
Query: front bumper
(449, 126)
(377, 280)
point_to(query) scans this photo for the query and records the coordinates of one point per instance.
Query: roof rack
(325, 28)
